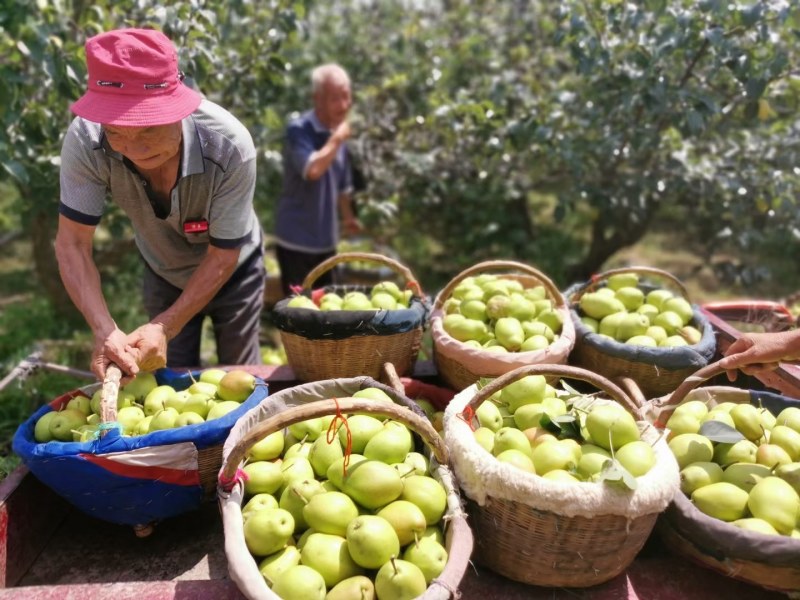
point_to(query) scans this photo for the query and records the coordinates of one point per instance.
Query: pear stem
(297, 492)
(394, 566)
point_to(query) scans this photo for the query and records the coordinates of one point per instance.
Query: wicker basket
(460, 366)
(553, 533)
(360, 345)
(133, 480)
(772, 562)
(656, 371)
(315, 400)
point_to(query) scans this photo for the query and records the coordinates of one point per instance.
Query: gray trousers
(235, 313)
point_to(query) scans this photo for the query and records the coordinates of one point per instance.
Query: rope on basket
(333, 432)
(227, 483)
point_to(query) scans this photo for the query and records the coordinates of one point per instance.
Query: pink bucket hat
(134, 80)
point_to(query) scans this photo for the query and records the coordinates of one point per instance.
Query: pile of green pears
(740, 463)
(499, 314)
(324, 525)
(562, 435)
(385, 295)
(622, 311)
(144, 406)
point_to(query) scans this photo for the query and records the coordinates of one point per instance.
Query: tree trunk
(42, 232)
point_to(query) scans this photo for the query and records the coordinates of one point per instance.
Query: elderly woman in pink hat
(183, 170)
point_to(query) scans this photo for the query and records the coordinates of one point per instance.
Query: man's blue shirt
(307, 218)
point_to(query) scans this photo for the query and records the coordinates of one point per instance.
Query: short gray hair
(329, 72)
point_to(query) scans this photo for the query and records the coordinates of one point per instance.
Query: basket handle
(567, 371)
(392, 378)
(501, 265)
(691, 382)
(109, 395)
(596, 279)
(328, 264)
(322, 408)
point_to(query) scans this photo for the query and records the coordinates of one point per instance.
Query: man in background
(316, 201)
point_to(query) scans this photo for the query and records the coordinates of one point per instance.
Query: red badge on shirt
(200, 226)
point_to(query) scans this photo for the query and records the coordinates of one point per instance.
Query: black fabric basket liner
(342, 324)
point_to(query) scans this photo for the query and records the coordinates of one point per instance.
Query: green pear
(642, 340)
(371, 541)
(362, 428)
(428, 494)
(535, 293)
(549, 456)
(373, 393)
(434, 533)
(609, 324)
(463, 329)
(790, 473)
(692, 335)
(743, 451)
(525, 390)
(529, 415)
(552, 318)
(745, 475)
(141, 385)
(699, 474)
(611, 426)
(418, 462)
(485, 438)
(387, 287)
(220, 409)
(788, 439)
(322, 454)
(772, 455)
(203, 387)
(474, 309)
(297, 449)
(295, 496)
(309, 429)
(679, 306)
(143, 427)
(327, 554)
(690, 448)
(41, 431)
(156, 399)
(747, 420)
(259, 502)
(756, 525)
(534, 343)
(671, 322)
(509, 333)
(698, 408)
(198, 404)
(657, 297)
(267, 531)
(775, 501)
(535, 328)
(632, 325)
(497, 307)
(617, 281)
(637, 457)
(262, 477)
(383, 301)
(188, 418)
(684, 422)
(399, 580)
(673, 341)
(721, 500)
(489, 415)
(591, 324)
(300, 301)
(299, 583)
(330, 512)
(292, 469)
(789, 416)
(391, 444)
(275, 564)
(649, 310)
(657, 333)
(494, 288)
(560, 475)
(521, 308)
(359, 587)
(517, 458)
(336, 472)
(164, 419)
(597, 305)
(721, 415)
(406, 518)
(129, 417)
(631, 297)
(508, 438)
(212, 376)
(267, 448)
(371, 483)
(592, 460)
(429, 555)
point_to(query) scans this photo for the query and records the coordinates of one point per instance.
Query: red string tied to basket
(333, 431)
(227, 483)
(468, 415)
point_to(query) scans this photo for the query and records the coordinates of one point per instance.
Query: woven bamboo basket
(553, 533)
(363, 348)
(656, 371)
(331, 398)
(772, 562)
(460, 366)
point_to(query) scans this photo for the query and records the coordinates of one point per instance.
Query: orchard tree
(557, 133)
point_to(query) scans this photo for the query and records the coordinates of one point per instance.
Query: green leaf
(614, 472)
(717, 431)
(17, 170)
